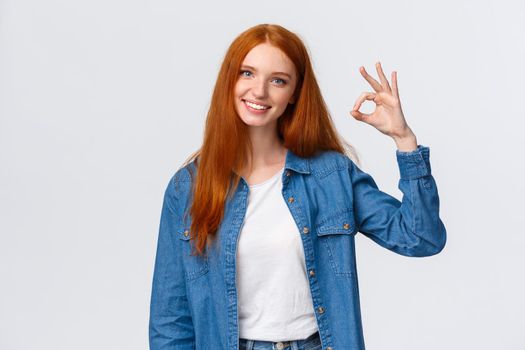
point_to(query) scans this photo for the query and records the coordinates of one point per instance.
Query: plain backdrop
(101, 102)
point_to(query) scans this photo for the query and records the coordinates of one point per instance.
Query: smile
(256, 106)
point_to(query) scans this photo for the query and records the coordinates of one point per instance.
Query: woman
(256, 243)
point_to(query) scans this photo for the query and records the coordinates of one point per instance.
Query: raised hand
(387, 117)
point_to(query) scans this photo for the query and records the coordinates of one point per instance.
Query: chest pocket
(194, 266)
(336, 235)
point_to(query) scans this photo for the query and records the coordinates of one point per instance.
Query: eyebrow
(252, 68)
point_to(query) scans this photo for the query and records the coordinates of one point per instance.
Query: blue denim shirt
(194, 299)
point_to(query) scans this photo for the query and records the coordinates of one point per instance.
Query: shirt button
(186, 233)
(279, 345)
(320, 309)
(329, 348)
(346, 226)
(312, 273)
(291, 199)
(288, 173)
(305, 229)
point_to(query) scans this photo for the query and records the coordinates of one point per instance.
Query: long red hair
(305, 128)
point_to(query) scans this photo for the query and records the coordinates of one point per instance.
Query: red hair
(305, 128)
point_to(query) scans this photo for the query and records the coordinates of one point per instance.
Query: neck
(268, 150)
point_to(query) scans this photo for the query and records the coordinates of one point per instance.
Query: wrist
(406, 143)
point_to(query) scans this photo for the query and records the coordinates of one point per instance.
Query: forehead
(268, 57)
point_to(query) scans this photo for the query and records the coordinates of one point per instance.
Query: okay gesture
(387, 116)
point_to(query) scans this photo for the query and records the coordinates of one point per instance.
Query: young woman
(256, 243)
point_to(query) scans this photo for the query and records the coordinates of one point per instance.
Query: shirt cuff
(414, 164)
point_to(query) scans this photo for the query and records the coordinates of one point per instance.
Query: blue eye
(282, 81)
(279, 80)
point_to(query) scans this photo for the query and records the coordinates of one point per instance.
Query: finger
(382, 77)
(362, 117)
(395, 90)
(362, 98)
(374, 83)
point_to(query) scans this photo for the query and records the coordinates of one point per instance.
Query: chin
(250, 122)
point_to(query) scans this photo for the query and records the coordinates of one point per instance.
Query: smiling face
(265, 86)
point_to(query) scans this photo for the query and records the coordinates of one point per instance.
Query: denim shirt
(194, 299)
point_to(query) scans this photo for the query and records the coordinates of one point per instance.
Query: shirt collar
(292, 162)
(296, 163)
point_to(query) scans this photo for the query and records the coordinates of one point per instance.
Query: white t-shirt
(274, 297)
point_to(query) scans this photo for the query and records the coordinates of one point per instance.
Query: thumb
(362, 117)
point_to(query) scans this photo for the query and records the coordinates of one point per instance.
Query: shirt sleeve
(170, 323)
(410, 227)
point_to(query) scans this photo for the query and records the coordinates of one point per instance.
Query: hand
(387, 116)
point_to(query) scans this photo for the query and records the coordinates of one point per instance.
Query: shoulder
(179, 183)
(184, 173)
(328, 161)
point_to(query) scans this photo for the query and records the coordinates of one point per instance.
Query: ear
(292, 100)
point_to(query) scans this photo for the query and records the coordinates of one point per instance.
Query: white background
(101, 101)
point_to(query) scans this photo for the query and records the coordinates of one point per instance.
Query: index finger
(382, 77)
(374, 83)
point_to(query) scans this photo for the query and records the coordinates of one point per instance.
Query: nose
(259, 89)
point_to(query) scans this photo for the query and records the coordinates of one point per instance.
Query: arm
(411, 227)
(170, 323)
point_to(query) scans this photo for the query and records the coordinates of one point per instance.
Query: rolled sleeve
(414, 164)
(410, 227)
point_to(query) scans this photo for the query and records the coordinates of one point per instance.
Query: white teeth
(254, 106)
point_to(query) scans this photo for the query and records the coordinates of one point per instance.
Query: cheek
(241, 87)
(283, 98)
(237, 90)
